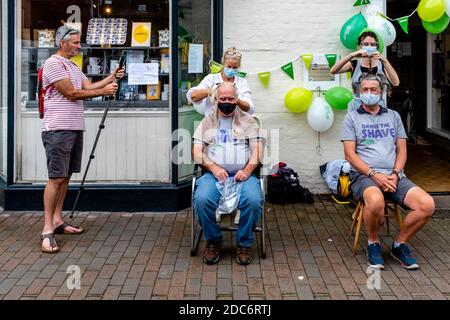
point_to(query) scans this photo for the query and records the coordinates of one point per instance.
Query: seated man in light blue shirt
(375, 145)
(227, 143)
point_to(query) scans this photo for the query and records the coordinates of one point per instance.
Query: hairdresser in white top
(231, 62)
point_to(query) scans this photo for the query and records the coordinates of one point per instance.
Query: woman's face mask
(230, 73)
(370, 99)
(369, 49)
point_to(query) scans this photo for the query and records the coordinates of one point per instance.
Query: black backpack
(284, 187)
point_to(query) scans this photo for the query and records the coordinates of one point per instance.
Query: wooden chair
(357, 218)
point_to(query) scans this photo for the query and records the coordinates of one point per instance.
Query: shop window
(110, 28)
(194, 54)
(135, 146)
(3, 102)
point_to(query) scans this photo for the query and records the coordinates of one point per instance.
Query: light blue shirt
(375, 135)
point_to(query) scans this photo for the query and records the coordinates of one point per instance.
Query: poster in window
(107, 31)
(140, 34)
(164, 38)
(45, 38)
(154, 91)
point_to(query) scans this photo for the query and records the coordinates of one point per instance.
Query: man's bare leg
(373, 212)
(422, 208)
(57, 216)
(51, 192)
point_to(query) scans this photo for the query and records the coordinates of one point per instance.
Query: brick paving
(147, 256)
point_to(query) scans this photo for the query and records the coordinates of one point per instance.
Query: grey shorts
(63, 149)
(360, 182)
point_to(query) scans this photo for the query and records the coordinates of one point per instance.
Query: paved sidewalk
(147, 256)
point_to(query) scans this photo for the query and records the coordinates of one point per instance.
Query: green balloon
(338, 97)
(351, 30)
(437, 26)
(298, 100)
(379, 38)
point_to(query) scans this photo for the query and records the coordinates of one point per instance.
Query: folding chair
(196, 230)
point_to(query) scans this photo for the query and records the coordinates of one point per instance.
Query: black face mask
(226, 107)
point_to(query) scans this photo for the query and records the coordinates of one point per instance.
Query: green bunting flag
(242, 74)
(289, 69)
(359, 3)
(331, 59)
(307, 59)
(264, 77)
(403, 22)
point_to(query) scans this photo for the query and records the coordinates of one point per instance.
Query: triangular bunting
(289, 69)
(307, 59)
(264, 77)
(359, 3)
(331, 59)
(215, 67)
(382, 15)
(403, 22)
(242, 74)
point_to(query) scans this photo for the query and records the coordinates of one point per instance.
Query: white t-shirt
(230, 154)
(211, 79)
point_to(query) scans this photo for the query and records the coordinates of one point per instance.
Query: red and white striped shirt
(61, 113)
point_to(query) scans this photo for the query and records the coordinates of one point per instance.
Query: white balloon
(447, 7)
(369, 10)
(320, 116)
(200, 106)
(384, 28)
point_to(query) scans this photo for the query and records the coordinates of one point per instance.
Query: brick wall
(270, 34)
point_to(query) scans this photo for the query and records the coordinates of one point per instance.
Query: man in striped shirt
(63, 126)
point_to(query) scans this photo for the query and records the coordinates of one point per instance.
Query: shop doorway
(422, 62)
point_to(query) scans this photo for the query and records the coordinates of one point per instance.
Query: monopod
(100, 128)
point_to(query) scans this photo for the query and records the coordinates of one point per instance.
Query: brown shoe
(212, 252)
(244, 255)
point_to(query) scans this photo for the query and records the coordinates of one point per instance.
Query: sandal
(53, 244)
(61, 229)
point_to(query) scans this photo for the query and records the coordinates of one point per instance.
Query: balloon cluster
(356, 25)
(320, 114)
(434, 14)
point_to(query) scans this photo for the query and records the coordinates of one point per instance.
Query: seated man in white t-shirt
(227, 143)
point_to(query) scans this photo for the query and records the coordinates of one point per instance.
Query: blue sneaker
(374, 256)
(403, 255)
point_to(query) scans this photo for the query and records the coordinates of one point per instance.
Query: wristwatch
(400, 174)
